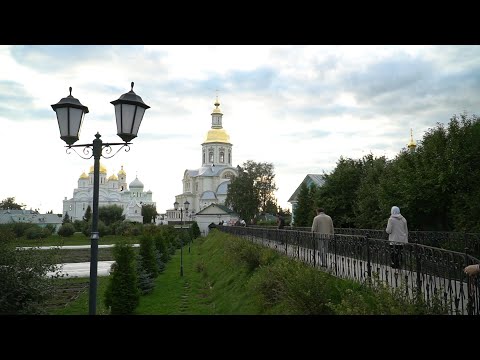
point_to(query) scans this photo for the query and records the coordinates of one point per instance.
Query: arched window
(229, 157)
(222, 157)
(210, 156)
(204, 157)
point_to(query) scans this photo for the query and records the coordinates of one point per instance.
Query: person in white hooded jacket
(397, 231)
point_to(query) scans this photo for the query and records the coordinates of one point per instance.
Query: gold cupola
(113, 177)
(217, 135)
(103, 169)
(122, 172)
(411, 144)
(83, 176)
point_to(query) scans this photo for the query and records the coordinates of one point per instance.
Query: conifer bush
(122, 294)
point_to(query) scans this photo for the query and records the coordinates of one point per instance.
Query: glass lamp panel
(118, 116)
(127, 118)
(62, 117)
(138, 119)
(76, 117)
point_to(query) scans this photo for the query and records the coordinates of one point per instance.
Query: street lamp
(175, 205)
(129, 111)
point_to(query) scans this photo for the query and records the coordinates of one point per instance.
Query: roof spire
(217, 104)
(411, 144)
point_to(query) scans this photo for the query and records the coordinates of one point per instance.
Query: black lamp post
(129, 111)
(175, 205)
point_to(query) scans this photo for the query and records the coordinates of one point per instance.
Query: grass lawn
(209, 286)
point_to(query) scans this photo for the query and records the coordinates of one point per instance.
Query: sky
(298, 107)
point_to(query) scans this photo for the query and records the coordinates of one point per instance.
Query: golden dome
(217, 135)
(411, 144)
(83, 176)
(112, 177)
(103, 169)
(122, 172)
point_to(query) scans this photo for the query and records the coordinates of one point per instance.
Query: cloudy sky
(298, 107)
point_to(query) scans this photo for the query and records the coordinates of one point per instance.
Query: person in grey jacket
(397, 231)
(322, 223)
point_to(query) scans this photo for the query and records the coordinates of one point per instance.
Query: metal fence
(432, 273)
(456, 241)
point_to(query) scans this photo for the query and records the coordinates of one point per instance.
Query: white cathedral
(112, 191)
(208, 184)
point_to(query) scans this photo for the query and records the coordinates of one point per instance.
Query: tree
(66, 219)
(24, 284)
(148, 255)
(305, 208)
(122, 294)
(149, 212)
(338, 193)
(88, 214)
(110, 214)
(194, 231)
(9, 203)
(251, 192)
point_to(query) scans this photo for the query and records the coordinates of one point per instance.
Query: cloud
(298, 107)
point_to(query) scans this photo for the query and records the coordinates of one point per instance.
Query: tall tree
(338, 193)
(66, 219)
(251, 192)
(149, 212)
(303, 211)
(122, 294)
(9, 203)
(110, 214)
(88, 214)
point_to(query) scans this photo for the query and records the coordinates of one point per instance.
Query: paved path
(82, 269)
(73, 247)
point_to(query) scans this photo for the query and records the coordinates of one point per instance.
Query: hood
(397, 216)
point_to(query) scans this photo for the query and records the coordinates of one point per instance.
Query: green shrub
(160, 262)
(79, 225)
(299, 288)
(23, 282)
(122, 294)
(378, 298)
(36, 232)
(66, 230)
(146, 283)
(20, 228)
(148, 255)
(194, 231)
(245, 253)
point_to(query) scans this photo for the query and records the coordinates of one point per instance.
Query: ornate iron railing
(456, 241)
(432, 273)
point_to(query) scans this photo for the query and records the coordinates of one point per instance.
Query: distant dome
(83, 176)
(208, 195)
(103, 169)
(223, 188)
(136, 183)
(122, 172)
(113, 177)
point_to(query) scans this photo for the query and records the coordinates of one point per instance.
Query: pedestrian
(322, 230)
(280, 221)
(397, 231)
(472, 270)
(322, 223)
